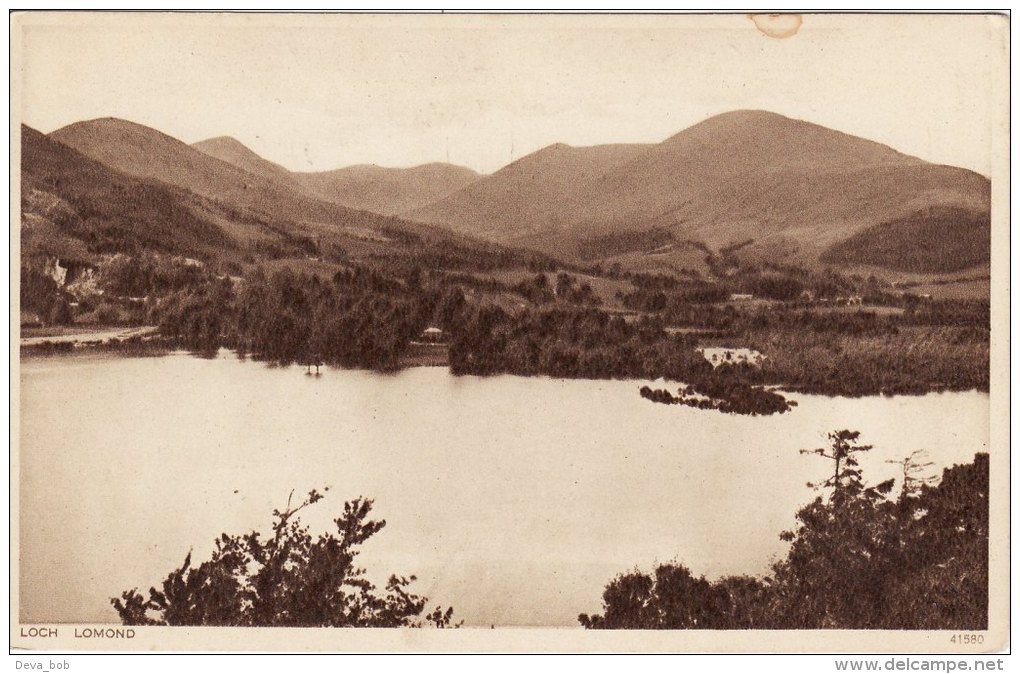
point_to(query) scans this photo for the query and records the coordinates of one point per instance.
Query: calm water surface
(513, 499)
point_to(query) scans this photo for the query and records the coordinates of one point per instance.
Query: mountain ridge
(787, 190)
(123, 187)
(793, 188)
(368, 187)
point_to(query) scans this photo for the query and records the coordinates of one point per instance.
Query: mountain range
(748, 183)
(112, 186)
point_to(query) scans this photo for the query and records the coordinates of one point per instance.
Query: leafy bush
(286, 579)
(858, 559)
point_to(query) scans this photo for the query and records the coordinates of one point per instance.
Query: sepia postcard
(673, 333)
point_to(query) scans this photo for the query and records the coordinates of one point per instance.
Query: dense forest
(553, 323)
(859, 558)
(357, 319)
(839, 354)
(569, 342)
(894, 244)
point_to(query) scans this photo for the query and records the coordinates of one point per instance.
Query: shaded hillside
(953, 239)
(791, 188)
(532, 195)
(72, 206)
(390, 191)
(798, 213)
(144, 152)
(272, 218)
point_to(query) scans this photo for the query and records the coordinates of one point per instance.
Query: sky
(317, 92)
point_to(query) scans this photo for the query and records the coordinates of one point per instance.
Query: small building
(723, 355)
(432, 335)
(741, 297)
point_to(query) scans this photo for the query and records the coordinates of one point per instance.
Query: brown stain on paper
(780, 26)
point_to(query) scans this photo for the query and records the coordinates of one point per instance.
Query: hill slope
(532, 195)
(962, 234)
(390, 191)
(73, 206)
(786, 189)
(144, 152)
(742, 146)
